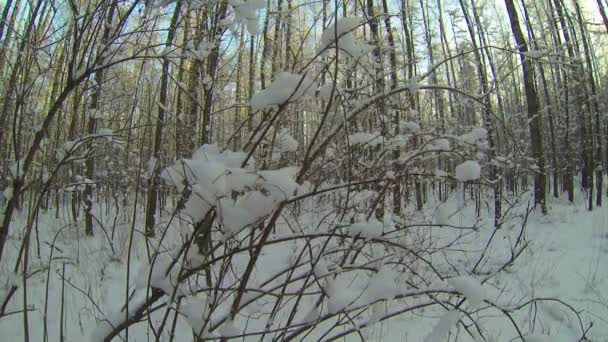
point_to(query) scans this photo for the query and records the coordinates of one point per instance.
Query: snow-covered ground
(565, 260)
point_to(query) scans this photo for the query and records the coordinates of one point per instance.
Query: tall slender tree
(163, 106)
(533, 107)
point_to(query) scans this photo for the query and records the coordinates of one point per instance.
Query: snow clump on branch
(286, 86)
(240, 195)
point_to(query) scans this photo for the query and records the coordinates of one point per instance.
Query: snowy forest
(303, 170)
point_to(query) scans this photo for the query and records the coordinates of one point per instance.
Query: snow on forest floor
(566, 259)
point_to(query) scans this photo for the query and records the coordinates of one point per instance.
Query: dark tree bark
(534, 114)
(92, 126)
(487, 113)
(397, 115)
(7, 26)
(152, 199)
(181, 117)
(212, 64)
(593, 106)
(406, 21)
(236, 142)
(569, 173)
(602, 8)
(251, 82)
(541, 71)
(266, 49)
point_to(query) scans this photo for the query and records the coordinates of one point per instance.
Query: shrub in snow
(250, 251)
(215, 176)
(308, 233)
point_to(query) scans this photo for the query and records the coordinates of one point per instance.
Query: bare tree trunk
(593, 106)
(181, 121)
(251, 82)
(10, 26)
(580, 94)
(411, 73)
(397, 115)
(266, 49)
(534, 115)
(92, 126)
(379, 79)
(487, 114)
(10, 92)
(288, 34)
(543, 78)
(569, 174)
(152, 199)
(193, 105)
(276, 40)
(5, 10)
(446, 52)
(212, 63)
(236, 143)
(600, 5)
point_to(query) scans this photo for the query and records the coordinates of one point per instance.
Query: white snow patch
(195, 310)
(442, 329)
(538, 338)
(442, 215)
(340, 294)
(383, 285)
(372, 229)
